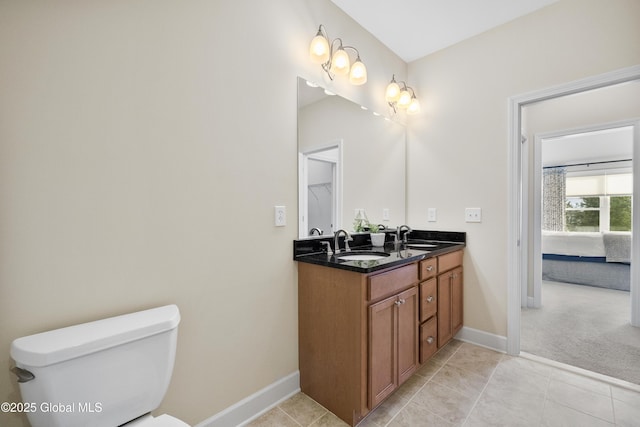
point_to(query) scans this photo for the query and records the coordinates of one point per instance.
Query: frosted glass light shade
(358, 74)
(319, 49)
(340, 62)
(405, 99)
(414, 106)
(393, 92)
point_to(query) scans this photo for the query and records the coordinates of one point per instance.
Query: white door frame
(518, 204)
(303, 205)
(535, 301)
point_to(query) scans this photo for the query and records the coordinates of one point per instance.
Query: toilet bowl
(106, 373)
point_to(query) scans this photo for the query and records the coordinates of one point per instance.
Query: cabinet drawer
(428, 339)
(449, 261)
(428, 268)
(391, 282)
(428, 299)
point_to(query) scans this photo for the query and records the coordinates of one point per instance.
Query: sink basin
(420, 244)
(362, 256)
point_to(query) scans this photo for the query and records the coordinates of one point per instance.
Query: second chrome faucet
(336, 241)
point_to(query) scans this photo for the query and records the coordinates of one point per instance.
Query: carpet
(584, 326)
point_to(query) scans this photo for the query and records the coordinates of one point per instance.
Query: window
(598, 202)
(620, 213)
(582, 214)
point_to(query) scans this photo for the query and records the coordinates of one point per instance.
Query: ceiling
(613, 144)
(415, 28)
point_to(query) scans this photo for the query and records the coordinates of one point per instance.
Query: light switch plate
(280, 216)
(473, 215)
(432, 215)
(385, 214)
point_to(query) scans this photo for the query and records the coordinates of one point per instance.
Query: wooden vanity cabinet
(441, 303)
(393, 343)
(357, 335)
(450, 296)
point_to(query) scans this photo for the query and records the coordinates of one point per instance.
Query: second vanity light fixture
(403, 97)
(333, 57)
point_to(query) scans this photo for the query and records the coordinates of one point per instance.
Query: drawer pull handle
(430, 298)
(400, 302)
(430, 268)
(430, 340)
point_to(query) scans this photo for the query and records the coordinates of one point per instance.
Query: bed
(594, 259)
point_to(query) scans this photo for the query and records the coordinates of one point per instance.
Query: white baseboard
(255, 405)
(483, 339)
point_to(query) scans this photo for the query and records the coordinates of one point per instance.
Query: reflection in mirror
(349, 159)
(320, 210)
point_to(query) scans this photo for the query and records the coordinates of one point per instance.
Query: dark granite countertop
(421, 244)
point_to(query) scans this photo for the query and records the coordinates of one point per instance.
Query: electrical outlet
(385, 214)
(280, 216)
(431, 214)
(473, 215)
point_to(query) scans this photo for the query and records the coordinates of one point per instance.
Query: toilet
(106, 373)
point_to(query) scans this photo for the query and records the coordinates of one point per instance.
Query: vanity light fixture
(403, 97)
(333, 57)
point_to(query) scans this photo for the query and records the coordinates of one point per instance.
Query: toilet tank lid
(58, 345)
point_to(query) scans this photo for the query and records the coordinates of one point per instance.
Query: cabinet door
(382, 350)
(407, 308)
(444, 309)
(456, 300)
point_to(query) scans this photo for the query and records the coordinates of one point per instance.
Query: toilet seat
(163, 420)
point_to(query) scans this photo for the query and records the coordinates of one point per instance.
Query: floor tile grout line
(613, 407)
(287, 414)
(547, 399)
(320, 417)
(475, 403)
(546, 395)
(423, 386)
(414, 395)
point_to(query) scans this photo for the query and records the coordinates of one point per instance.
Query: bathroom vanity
(366, 326)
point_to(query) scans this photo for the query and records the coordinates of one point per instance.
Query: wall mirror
(348, 159)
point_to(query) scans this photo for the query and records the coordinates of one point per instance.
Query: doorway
(578, 310)
(592, 168)
(519, 222)
(320, 190)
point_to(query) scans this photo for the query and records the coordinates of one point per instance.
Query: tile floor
(467, 385)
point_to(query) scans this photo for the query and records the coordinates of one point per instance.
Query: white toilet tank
(100, 374)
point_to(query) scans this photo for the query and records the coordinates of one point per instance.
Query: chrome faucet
(327, 246)
(315, 230)
(336, 242)
(399, 233)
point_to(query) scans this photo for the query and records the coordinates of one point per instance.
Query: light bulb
(319, 49)
(405, 99)
(358, 74)
(340, 62)
(393, 92)
(414, 106)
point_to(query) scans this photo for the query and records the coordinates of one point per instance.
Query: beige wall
(458, 146)
(143, 145)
